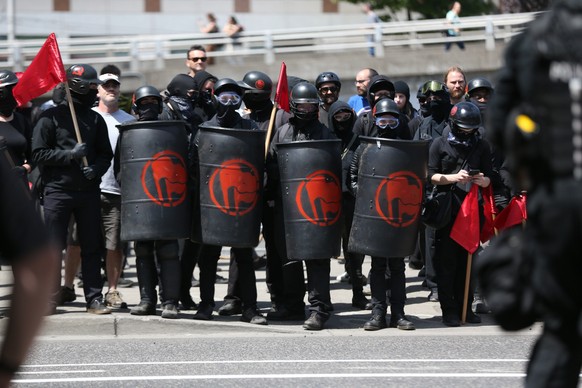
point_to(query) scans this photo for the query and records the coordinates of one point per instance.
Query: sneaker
(113, 299)
(343, 278)
(170, 311)
(98, 307)
(480, 306)
(472, 317)
(367, 291)
(254, 316)
(451, 320)
(66, 295)
(230, 307)
(377, 322)
(143, 308)
(315, 321)
(125, 283)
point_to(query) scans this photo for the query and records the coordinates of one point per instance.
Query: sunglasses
(331, 89)
(387, 121)
(196, 59)
(228, 98)
(434, 87)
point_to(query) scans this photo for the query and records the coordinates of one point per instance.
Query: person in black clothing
(14, 127)
(430, 128)
(535, 119)
(204, 87)
(388, 126)
(71, 173)
(25, 245)
(329, 86)
(341, 121)
(228, 96)
(257, 88)
(148, 105)
(304, 125)
(379, 87)
(451, 157)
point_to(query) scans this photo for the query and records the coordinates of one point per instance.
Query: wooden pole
(270, 129)
(74, 117)
(467, 283)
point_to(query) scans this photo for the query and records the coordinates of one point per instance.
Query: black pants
(450, 260)
(246, 274)
(166, 252)
(188, 260)
(354, 260)
(59, 205)
(318, 291)
(379, 284)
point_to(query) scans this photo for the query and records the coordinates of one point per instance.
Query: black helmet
(386, 105)
(326, 77)
(257, 82)
(478, 83)
(304, 93)
(80, 77)
(465, 115)
(227, 84)
(147, 91)
(380, 82)
(7, 78)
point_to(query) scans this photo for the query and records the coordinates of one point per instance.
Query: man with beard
(456, 83)
(328, 85)
(359, 101)
(71, 173)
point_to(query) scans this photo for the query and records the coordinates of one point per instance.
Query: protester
(71, 171)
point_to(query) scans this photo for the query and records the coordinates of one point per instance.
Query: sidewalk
(73, 320)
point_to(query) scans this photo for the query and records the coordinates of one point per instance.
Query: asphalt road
(80, 349)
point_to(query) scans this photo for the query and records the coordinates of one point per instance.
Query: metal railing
(151, 51)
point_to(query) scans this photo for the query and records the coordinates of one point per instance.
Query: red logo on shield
(164, 179)
(398, 198)
(319, 198)
(235, 187)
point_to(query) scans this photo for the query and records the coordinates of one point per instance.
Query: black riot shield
(312, 193)
(391, 180)
(231, 166)
(155, 203)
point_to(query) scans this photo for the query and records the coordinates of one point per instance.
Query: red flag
(465, 230)
(282, 94)
(514, 214)
(489, 212)
(44, 73)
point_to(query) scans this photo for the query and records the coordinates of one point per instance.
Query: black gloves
(20, 171)
(89, 173)
(79, 151)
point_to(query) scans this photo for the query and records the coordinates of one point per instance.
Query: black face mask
(148, 112)
(438, 109)
(227, 115)
(85, 100)
(7, 104)
(254, 103)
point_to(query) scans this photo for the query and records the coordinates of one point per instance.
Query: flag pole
(467, 283)
(270, 129)
(74, 117)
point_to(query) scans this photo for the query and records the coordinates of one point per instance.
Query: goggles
(228, 98)
(342, 116)
(434, 87)
(387, 121)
